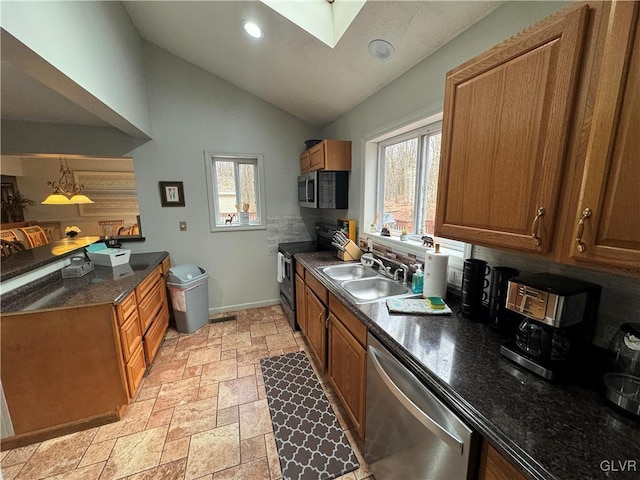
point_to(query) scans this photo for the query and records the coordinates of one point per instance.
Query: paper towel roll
(435, 274)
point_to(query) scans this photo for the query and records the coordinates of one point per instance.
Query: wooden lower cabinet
(494, 466)
(135, 368)
(155, 334)
(348, 371)
(316, 315)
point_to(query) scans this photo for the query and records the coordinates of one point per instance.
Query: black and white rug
(310, 442)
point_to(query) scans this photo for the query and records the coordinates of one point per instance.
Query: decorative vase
(243, 218)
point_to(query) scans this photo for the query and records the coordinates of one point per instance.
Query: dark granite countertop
(28, 260)
(551, 430)
(102, 285)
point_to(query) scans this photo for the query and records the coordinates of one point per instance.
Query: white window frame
(214, 208)
(451, 246)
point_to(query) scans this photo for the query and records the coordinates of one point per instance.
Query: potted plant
(72, 231)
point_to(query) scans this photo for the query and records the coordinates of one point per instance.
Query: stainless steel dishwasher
(410, 433)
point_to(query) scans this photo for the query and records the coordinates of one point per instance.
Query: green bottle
(417, 283)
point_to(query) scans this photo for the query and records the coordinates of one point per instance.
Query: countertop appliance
(410, 433)
(558, 317)
(622, 381)
(286, 275)
(324, 189)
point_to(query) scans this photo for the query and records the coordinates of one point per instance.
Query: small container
(417, 283)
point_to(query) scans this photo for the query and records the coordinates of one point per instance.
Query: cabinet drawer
(130, 336)
(349, 320)
(166, 265)
(300, 270)
(126, 308)
(317, 288)
(148, 283)
(153, 338)
(150, 304)
(135, 369)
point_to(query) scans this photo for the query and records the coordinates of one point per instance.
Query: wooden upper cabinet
(505, 131)
(327, 155)
(607, 221)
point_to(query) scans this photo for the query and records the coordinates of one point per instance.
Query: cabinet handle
(535, 226)
(586, 213)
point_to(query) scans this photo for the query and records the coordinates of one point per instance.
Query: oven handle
(411, 407)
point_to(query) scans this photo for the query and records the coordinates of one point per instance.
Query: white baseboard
(244, 306)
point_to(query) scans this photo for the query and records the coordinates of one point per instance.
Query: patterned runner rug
(311, 444)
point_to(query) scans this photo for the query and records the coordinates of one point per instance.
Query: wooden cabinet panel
(504, 137)
(155, 334)
(130, 336)
(316, 314)
(150, 304)
(327, 155)
(348, 320)
(135, 369)
(166, 265)
(301, 314)
(304, 162)
(127, 308)
(607, 223)
(347, 371)
(493, 466)
(148, 283)
(300, 270)
(314, 284)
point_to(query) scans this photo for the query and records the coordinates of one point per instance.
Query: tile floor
(200, 413)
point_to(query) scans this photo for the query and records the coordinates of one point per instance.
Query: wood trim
(494, 466)
(37, 436)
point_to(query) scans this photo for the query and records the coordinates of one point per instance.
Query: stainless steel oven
(287, 266)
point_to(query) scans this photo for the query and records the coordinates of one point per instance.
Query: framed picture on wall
(171, 194)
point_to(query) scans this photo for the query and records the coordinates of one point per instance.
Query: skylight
(325, 21)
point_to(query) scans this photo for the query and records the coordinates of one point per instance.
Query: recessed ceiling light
(252, 29)
(381, 49)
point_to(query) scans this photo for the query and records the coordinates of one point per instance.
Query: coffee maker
(557, 319)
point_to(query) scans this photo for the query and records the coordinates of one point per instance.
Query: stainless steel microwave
(323, 189)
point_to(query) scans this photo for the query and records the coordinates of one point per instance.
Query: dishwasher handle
(435, 428)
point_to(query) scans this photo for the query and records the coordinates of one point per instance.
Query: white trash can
(189, 289)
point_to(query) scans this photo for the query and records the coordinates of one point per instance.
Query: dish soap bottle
(417, 283)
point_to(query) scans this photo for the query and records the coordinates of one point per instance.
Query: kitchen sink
(373, 289)
(350, 271)
(364, 284)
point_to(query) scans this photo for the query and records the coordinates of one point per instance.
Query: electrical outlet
(183, 226)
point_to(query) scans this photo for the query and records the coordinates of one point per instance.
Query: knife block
(351, 252)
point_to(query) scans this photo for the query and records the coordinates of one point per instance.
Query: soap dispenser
(417, 283)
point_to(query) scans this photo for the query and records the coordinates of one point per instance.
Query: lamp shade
(56, 199)
(80, 198)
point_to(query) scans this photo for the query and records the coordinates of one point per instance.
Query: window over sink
(236, 191)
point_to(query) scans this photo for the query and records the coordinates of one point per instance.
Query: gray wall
(193, 111)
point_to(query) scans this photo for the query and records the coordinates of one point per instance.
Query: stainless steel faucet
(386, 271)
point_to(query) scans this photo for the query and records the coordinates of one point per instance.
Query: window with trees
(236, 191)
(408, 180)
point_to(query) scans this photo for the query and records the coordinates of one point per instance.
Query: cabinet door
(301, 316)
(607, 228)
(304, 162)
(135, 369)
(317, 156)
(504, 136)
(347, 371)
(316, 314)
(493, 466)
(130, 336)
